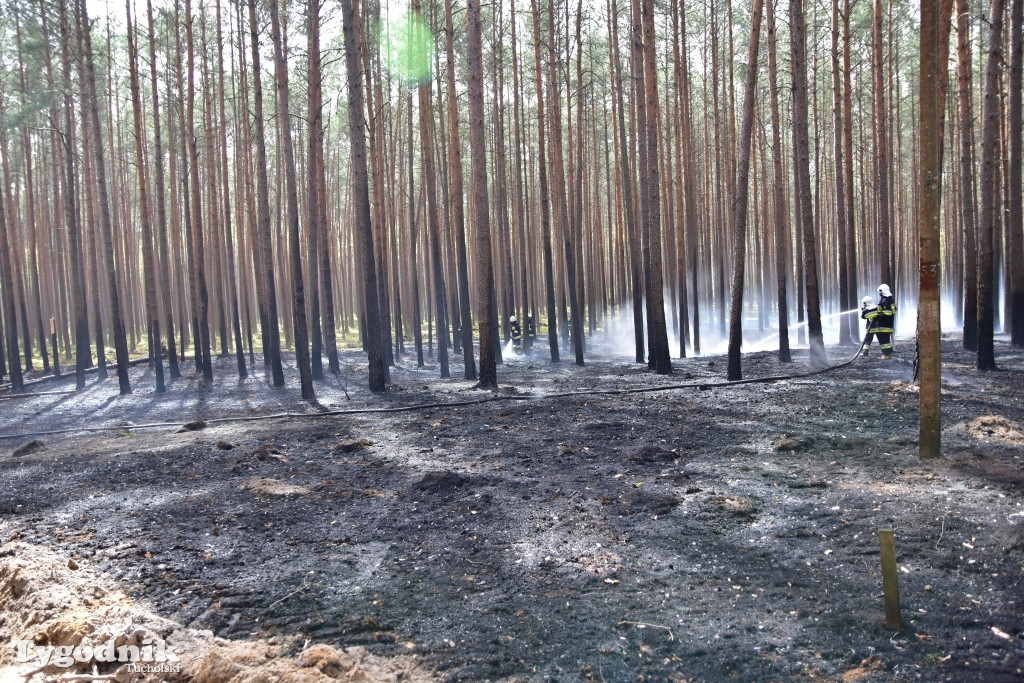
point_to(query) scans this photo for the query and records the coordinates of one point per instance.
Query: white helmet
(883, 291)
(867, 302)
(511, 318)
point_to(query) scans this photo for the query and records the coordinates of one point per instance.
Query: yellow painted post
(890, 578)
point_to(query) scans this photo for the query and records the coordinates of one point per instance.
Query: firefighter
(531, 331)
(869, 312)
(517, 334)
(886, 320)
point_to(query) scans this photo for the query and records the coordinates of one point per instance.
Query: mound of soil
(53, 601)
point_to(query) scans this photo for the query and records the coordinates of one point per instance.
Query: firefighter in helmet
(886, 320)
(531, 331)
(517, 334)
(880, 320)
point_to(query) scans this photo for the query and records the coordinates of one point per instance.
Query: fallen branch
(641, 624)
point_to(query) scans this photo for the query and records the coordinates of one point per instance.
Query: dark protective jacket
(517, 332)
(886, 316)
(870, 315)
(531, 329)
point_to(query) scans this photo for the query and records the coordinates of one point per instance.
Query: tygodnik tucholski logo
(153, 656)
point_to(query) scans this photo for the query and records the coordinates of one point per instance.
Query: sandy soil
(723, 534)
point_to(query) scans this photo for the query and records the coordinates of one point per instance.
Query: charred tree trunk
(148, 256)
(161, 208)
(780, 218)
(198, 241)
(545, 208)
(272, 334)
(802, 163)
(455, 198)
(739, 209)
(83, 354)
(989, 190)
(434, 225)
(968, 208)
(661, 358)
(291, 184)
(105, 224)
(1015, 213)
(477, 148)
(378, 371)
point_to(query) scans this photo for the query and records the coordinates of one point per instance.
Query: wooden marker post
(890, 578)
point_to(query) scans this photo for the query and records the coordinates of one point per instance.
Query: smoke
(615, 337)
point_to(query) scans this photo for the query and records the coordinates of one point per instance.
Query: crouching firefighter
(517, 334)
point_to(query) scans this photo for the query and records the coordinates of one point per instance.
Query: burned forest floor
(691, 534)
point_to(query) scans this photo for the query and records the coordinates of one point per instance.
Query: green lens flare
(408, 47)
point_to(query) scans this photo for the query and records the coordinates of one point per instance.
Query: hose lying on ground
(702, 385)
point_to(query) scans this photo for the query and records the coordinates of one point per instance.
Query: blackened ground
(714, 535)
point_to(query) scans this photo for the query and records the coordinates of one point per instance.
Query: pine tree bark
(318, 190)
(145, 213)
(739, 208)
(802, 163)
(629, 203)
(229, 246)
(301, 330)
(79, 302)
(851, 248)
(779, 189)
(545, 207)
(378, 372)
(198, 240)
(433, 223)
(455, 198)
(478, 154)
(968, 206)
(989, 190)
(9, 309)
(271, 333)
(661, 358)
(882, 186)
(932, 66)
(161, 208)
(105, 225)
(1015, 213)
(847, 323)
(558, 190)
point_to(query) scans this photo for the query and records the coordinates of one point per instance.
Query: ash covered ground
(719, 534)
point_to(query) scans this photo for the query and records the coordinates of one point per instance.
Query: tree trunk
(558, 190)
(434, 225)
(455, 198)
(105, 224)
(802, 163)
(781, 219)
(883, 208)
(291, 185)
(933, 64)
(161, 208)
(378, 371)
(1015, 214)
(739, 209)
(148, 256)
(545, 208)
(989, 190)
(477, 149)
(272, 334)
(79, 303)
(198, 246)
(661, 358)
(968, 208)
